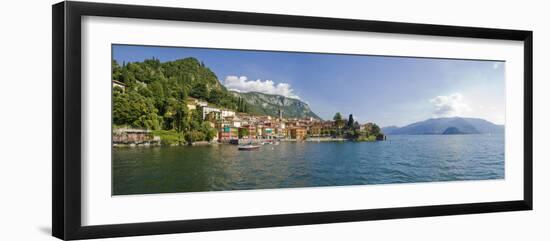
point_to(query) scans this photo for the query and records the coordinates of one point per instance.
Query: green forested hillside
(155, 96)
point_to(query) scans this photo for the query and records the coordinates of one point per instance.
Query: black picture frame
(66, 127)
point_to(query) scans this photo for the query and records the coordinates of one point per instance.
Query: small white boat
(248, 147)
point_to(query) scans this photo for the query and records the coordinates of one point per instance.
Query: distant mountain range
(266, 104)
(446, 126)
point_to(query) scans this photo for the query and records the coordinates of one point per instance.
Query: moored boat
(248, 147)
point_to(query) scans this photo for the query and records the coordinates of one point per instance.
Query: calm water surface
(400, 159)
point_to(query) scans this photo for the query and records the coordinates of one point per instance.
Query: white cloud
(242, 84)
(449, 105)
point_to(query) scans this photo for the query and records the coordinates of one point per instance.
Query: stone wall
(134, 137)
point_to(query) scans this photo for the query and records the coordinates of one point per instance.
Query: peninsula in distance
(446, 126)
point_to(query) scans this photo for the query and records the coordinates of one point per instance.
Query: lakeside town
(182, 102)
(233, 127)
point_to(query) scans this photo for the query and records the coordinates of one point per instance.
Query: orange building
(298, 133)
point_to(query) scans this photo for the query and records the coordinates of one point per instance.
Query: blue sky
(380, 89)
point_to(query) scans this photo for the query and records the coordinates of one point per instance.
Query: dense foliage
(351, 129)
(155, 96)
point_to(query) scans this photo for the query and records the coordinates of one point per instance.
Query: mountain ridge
(438, 126)
(269, 104)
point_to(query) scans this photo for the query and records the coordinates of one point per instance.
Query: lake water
(400, 159)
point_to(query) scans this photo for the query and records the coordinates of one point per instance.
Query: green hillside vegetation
(351, 129)
(156, 93)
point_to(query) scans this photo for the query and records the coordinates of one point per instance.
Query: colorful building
(227, 133)
(298, 133)
(268, 133)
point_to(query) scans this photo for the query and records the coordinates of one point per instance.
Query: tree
(372, 129)
(180, 120)
(338, 121)
(356, 125)
(217, 97)
(116, 70)
(349, 125)
(175, 116)
(130, 108)
(337, 116)
(195, 120)
(376, 129)
(243, 132)
(194, 136)
(121, 108)
(209, 132)
(200, 91)
(158, 95)
(241, 104)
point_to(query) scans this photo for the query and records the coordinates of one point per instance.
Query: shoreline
(240, 142)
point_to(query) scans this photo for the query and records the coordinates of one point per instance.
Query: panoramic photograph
(202, 119)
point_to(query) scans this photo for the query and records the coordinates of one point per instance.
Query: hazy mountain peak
(448, 125)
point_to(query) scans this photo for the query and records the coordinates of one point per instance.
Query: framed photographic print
(170, 120)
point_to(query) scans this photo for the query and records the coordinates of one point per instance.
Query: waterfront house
(298, 133)
(282, 125)
(227, 133)
(280, 133)
(315, 129)
(268, 133)
(259, 130)
(222, 123)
